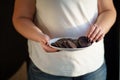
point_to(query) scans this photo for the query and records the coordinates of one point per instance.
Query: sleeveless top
(66, 18)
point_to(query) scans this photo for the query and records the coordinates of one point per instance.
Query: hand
(45, 45)
(96, 33)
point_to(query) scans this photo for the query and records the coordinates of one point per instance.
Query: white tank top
(66, 18)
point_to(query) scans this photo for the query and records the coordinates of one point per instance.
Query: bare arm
(22, 19)
(24, 11)
(105, 20)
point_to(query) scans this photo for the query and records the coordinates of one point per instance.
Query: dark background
(112, 47)
(13, 47)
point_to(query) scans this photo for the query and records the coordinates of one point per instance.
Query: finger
(47, 37)
(94, 34)
(43, 39)
(99, 33)
(91, 31)
(97, 36)
(100, 37)
(47, 48)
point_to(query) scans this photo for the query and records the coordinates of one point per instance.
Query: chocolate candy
(72, 43)
(83, 42)
(64, 43)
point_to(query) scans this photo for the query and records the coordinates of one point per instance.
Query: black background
(13, 47)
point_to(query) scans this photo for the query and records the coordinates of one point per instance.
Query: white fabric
(66, 18)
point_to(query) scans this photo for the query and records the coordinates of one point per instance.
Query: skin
(105, 20)
(24, 11)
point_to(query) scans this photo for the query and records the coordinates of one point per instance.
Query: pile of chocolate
(72, 43)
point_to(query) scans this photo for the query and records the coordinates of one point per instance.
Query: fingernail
(91, 42)
(96, 40)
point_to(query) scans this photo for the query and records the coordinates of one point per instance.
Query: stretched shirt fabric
(66, 18)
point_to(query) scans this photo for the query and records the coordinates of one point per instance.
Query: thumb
(47, 38)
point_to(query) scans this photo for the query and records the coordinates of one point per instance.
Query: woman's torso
(66, 18)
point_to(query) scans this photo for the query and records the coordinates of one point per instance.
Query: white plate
(65, 49)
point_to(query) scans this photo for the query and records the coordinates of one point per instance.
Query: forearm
(102, 25)
(106, 20)
(28, 29)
